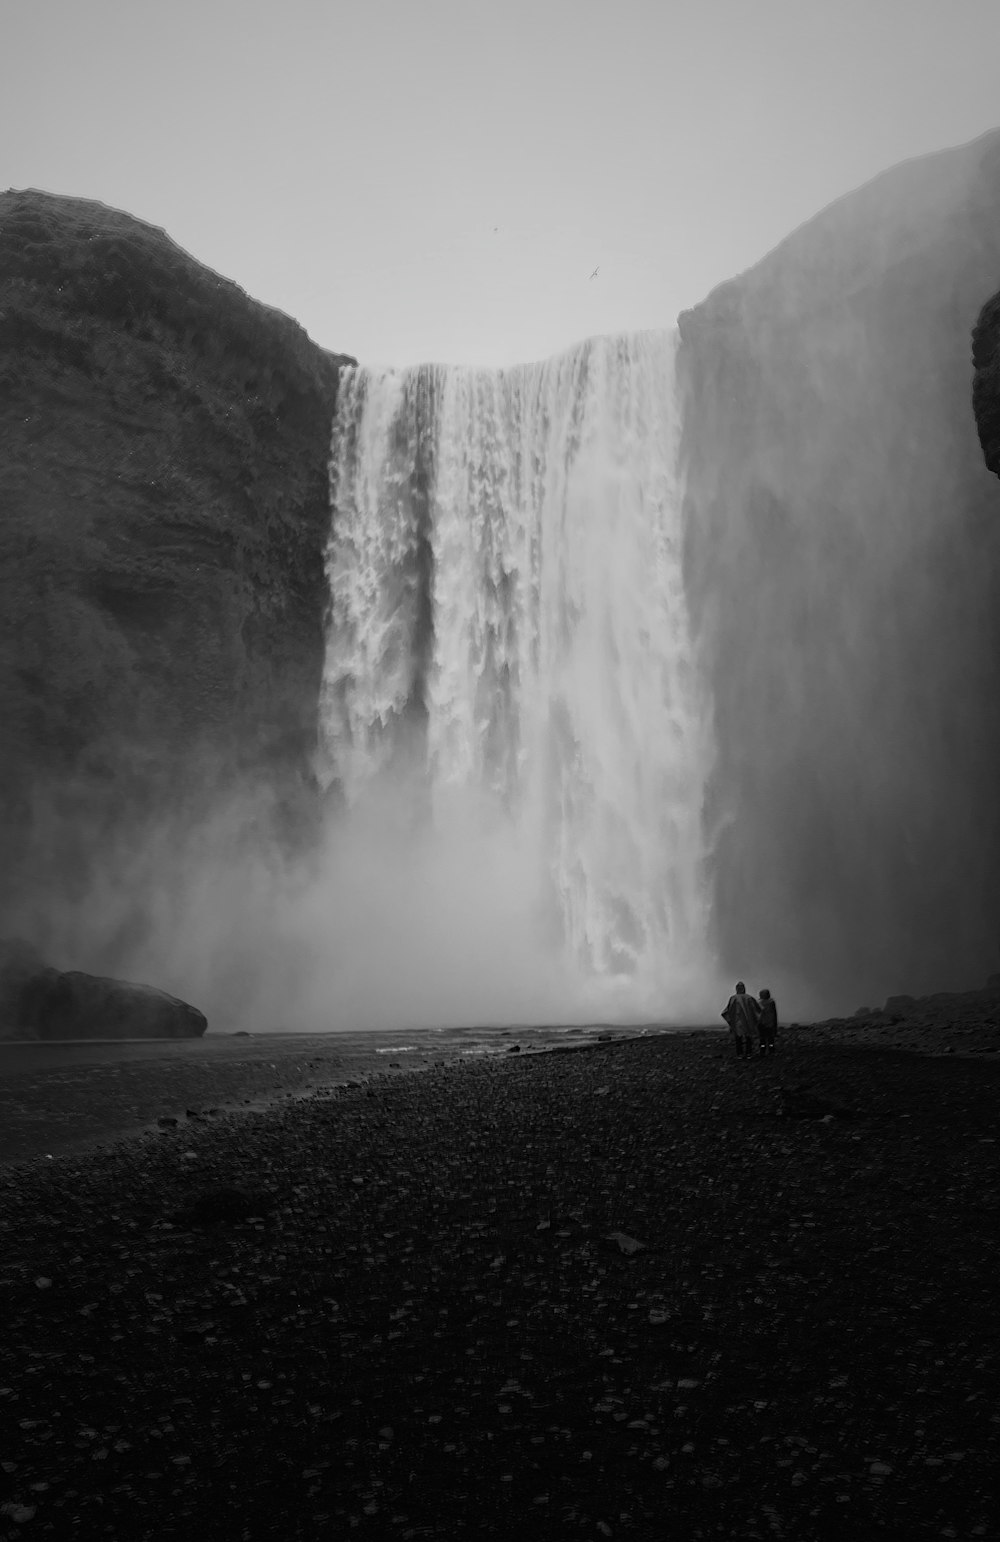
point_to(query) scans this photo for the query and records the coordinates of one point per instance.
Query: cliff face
(163, 513)
(843, 561)
(986, 382)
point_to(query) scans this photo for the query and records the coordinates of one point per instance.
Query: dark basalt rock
(163, 516)
(85, 1006)
(842, 556)
(38, 1002)
(986, 381)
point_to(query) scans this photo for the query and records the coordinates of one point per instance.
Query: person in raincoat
(741, 1013)
(768, 1021)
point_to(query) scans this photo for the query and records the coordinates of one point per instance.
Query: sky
(482, 183)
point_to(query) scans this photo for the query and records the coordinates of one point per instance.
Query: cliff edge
(163, 516)
(843, 564)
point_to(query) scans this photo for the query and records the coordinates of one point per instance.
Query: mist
(384, 924)
(513, 735)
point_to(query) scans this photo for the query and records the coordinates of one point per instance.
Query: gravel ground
(67, 1097)
(71, 1096)
(631, 1291)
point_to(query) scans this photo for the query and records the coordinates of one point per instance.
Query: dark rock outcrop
(948, 1022)
(163, 515)
(843, 567)
(986, 381)
(86, 1006)
(38, 1002)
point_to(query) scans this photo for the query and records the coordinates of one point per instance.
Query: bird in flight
(595, 272)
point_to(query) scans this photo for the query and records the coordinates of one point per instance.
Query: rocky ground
(71, 1096)
(63, 1098)
(629, 1291)
(953, 1023)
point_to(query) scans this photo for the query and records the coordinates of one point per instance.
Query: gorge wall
(843, 569)
(163, 515)
(750, 680)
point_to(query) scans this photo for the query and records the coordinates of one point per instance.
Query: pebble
(318, 1212)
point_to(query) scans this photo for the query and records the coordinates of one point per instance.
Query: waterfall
(510, 675)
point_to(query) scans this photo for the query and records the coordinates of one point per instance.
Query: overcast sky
(438, 179)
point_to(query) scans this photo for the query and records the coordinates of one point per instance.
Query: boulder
(86, 1006)
(986, 381)
(38, 1002)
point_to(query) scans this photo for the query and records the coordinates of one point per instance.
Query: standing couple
(747, 1017)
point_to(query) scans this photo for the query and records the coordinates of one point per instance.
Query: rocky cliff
(843, 560)
(163, 514)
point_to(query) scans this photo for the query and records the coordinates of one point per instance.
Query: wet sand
(70, 1096)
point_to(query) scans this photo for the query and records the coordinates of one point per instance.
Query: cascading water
(510, 679)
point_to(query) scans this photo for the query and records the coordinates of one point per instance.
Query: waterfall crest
(509, 666)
